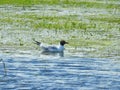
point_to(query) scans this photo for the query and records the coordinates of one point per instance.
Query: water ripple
(70, 73)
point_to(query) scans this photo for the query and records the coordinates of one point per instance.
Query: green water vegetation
(64, 3)
(84, 23)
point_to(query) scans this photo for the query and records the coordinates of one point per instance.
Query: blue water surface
(60, 73)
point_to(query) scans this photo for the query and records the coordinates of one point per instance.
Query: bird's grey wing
(44, 48)
(52, 47)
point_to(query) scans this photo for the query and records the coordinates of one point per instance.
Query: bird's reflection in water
(61, 54)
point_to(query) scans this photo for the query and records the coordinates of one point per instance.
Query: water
(59, 73)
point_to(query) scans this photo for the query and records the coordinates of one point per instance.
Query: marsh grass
(16, 2)
(104, 18)
(64, 3)
(85, 29)
(66, 22)
(96, 26)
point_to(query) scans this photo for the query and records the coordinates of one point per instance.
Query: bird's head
(63, 42)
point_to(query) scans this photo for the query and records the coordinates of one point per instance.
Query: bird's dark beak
(66, 43)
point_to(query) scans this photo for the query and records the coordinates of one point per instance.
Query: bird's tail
(36, 42)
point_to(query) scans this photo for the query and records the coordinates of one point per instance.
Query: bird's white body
(59, 48)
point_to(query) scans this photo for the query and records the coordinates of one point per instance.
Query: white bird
(52, 49)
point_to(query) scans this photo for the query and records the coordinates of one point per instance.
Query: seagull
(52, 49)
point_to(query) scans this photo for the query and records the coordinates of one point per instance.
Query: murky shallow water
(59, 73)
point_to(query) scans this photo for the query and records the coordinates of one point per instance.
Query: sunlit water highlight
(59, 73)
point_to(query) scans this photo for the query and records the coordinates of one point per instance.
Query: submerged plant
(5, 71)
